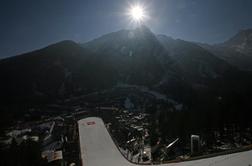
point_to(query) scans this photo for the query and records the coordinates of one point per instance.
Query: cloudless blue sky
(31, 24)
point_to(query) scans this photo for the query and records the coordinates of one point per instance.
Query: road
(98, 149)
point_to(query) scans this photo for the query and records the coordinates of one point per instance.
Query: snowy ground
(98, 148)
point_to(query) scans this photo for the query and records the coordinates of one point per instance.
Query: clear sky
(31, 24)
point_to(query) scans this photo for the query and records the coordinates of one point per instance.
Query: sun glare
(137, 13)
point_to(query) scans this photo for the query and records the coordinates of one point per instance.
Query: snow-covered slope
(98, 148)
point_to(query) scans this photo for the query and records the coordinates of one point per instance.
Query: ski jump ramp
(98, 149)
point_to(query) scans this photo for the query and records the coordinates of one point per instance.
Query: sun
(137, 13)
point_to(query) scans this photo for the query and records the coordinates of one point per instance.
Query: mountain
(61, 68)
(135, 55)
(177, 58)
(198, 65)
(236, 51)
(188, 72)
(241, 42)
(185, 71)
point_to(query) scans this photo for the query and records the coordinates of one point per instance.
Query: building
(195, 144)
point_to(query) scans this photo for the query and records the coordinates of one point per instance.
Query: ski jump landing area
(98, 149)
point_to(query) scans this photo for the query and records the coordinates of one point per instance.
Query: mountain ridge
(237, 50)
(177, 68)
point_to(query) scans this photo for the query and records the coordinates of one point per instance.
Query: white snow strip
(98, 149)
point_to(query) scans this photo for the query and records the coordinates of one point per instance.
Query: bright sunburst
(137, 13)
